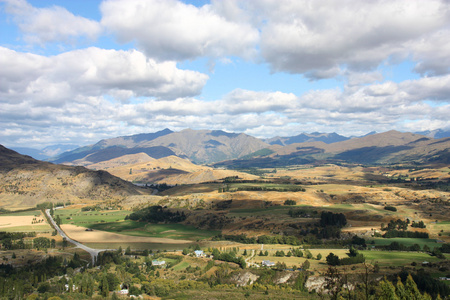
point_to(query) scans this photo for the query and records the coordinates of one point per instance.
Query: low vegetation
(270, 238)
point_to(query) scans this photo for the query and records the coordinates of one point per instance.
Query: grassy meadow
(114, 221)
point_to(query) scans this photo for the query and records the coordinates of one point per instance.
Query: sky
(76, 72)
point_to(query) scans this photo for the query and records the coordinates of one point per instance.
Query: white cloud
(361, 78)
(317, 37)
(353, 111)
(54, 24)
(172, 30)
(92, 72)
(84, 95)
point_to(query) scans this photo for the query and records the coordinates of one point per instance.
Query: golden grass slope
(170, 170)
(25, 182)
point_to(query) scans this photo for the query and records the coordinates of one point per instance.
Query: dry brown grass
(14, 221)
(81, 235)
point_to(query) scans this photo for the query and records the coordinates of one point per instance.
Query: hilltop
(27, 182)
(170, 170)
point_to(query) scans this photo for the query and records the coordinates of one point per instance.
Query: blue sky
(76, 72)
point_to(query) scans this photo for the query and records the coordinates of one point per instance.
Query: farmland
(114, 222)
(261, 221)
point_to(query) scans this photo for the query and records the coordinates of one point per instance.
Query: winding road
(93, 252)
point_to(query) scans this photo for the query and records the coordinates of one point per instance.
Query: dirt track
(80, 234)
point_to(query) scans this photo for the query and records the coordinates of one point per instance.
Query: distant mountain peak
(436, 133)
(327, 138)
(200, 146)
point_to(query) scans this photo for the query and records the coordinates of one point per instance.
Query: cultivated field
(80, 234)
(111, 227)
(27, 221)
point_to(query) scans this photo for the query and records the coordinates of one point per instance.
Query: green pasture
(171, 261)
(172, 231)
(114, 221)
(29, 228)
(181, 266)
(406, 241)
(22, 213)
(443, 226)
(398, 258)
(138, 246)
(83, 218)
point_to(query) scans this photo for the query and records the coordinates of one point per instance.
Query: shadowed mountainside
(199, 146)
(327, 138)
(383, 148)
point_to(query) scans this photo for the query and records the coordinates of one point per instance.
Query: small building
(123, 292)
(199, 253)
(158, 262)
(268, 263)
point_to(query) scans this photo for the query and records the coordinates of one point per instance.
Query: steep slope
(119, 146)
(25, 182)
(200, 146)
(327, 138)
(206, 146)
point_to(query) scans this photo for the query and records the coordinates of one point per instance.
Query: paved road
(93, 252)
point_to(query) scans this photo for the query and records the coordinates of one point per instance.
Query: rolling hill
(170, 170)
(26, 182)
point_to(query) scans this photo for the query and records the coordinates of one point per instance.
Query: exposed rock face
(243, 279)
(315, 283)
(284, 278)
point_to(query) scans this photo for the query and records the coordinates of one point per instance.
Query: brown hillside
(387, 147)
(26, 182)
(170, 170)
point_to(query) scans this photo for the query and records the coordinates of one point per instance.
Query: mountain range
(390, 147)
(45, 153)
(221, 148)
(181, 157)
(327, 138)
(199, 146)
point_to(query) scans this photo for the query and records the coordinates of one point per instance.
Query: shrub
(391, 208)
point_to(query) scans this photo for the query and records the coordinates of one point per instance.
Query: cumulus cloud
(54, 24)
(92, 72)
(172, 30)
(317, 37)
(355, 111)
(88, 94)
